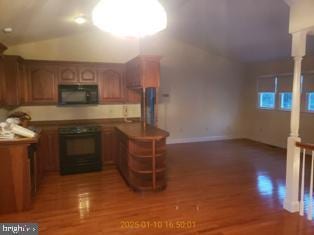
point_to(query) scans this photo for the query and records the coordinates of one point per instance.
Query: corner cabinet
(143, 71)
(41, 80)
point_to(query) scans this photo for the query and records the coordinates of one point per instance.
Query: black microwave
(78, 94)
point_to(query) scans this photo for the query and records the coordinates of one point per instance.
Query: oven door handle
(79, 134)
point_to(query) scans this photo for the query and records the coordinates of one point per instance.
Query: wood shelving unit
(142, 161)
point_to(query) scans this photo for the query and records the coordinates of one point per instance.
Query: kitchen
(154, 116)
(82, 145)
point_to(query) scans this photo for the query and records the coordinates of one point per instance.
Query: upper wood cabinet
(77, 73)
(35, 82)
(68, 74)
(1, 82)
(111, 84)
(143, 71)
(41, 84)
(88, 74)
(10, 75)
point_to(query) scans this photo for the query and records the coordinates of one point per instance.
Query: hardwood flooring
(218, 188)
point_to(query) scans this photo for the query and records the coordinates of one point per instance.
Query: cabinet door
(151, 73)
(68, 74)
(1, 82)
(88, 74)
(108, 146)
(11, 96)
(48, 150)
(134, 96)
(42, 84)
(111, 86)
(134, 74)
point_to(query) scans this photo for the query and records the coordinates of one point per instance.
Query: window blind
(308, 83)
(266, 84)
(284, 83)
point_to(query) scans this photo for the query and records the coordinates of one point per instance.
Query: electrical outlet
(125, 111)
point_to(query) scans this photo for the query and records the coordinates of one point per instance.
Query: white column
(291, 202)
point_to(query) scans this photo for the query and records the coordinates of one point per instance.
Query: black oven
(78, 94)
(80, 149)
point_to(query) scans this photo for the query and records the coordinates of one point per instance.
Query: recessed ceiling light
(7, 30)
(80, 19)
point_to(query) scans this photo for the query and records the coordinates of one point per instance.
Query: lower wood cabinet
(48, 150)
(142, 157)
(108, 146)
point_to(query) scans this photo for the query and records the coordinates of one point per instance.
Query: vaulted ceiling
(247, 30)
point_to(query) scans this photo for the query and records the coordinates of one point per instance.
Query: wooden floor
(217, 188)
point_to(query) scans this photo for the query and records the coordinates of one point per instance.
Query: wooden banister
(305, 146)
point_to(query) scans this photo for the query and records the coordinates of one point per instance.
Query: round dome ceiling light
(7, 30)
(80, 19)
(130, 18)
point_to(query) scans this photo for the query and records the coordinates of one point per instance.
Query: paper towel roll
(18, 130)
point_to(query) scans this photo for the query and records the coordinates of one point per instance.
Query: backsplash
(49, 113)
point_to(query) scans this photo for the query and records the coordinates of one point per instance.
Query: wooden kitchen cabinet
(72, 74)
(142, 156)
(48, 150)
(111, 84)
(68, 75)
(88, 74)
(134, 96)
(143, 71)
(41, 84)
(108, 146)
(1, 82)
(10, 74)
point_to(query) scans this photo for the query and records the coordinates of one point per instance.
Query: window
(286, 100)
(267, 100)
(310, 104)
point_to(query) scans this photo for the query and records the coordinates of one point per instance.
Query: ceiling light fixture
(130, 18)
(80, 19)
(7, 30)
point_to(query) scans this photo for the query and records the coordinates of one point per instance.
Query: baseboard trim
(200, 139)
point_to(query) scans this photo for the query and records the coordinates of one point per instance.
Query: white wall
(301, 15)
(93, 46)
(273, 126)
(205, 91)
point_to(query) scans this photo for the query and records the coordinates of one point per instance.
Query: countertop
(19, 140)
(104, 123)
(137, 131)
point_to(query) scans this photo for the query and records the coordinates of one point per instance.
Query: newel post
(291, 202)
